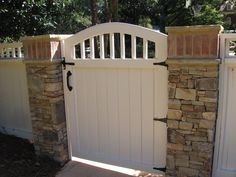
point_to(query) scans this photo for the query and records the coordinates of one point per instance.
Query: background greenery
(34, 17)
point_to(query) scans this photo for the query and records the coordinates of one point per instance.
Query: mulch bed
(18, 159)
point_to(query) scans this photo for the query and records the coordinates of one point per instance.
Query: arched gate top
(83, 44)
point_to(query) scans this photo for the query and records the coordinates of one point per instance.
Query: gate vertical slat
(103, 121)
(114, 129)
(83, 122)
(92, 111)
(124, 119)
(122, 46)
(133, 47)
(92, 53)
(112, 46)
(156, 50)
(161, 101)
(101, 38)
(135, 116)
(82, 49)
(145, 49)
(147, 116)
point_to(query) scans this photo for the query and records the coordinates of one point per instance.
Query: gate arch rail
(111, 29)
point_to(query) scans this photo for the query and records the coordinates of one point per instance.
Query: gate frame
(158, 38)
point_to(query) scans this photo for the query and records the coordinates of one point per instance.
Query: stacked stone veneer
(46, 96)
(193, 92)
(193, 98)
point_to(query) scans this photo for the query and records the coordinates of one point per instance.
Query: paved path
(77, 169)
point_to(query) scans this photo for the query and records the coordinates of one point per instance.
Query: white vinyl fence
(14, 105)
(11, 50)
(225, 154)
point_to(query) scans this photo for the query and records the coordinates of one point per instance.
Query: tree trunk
(94, 14)
(107, 4)
(111, 11)
(93, 4)
(114, 9)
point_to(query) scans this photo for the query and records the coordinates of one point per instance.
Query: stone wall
(46, 100)
(193, 98)
(193, 93)
(46, 96)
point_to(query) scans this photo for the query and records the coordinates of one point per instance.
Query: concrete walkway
(77, 169)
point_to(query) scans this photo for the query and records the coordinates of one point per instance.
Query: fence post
(193, 53)
(46, 96)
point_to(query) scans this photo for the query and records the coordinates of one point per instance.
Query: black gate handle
(68, 74)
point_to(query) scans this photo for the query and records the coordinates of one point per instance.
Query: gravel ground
(18, 159)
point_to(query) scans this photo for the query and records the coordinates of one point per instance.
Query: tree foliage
(35, 17)
(171, 12)
(208, 15)
(29, 17)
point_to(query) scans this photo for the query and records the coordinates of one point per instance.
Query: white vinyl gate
(113, 100)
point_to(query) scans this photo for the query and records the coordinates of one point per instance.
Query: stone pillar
(46, 96)
(193, 96)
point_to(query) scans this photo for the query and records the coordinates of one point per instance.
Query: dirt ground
(18, 159)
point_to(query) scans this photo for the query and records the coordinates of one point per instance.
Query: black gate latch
(64, 63)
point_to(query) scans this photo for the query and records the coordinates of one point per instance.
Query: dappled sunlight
(123, 170)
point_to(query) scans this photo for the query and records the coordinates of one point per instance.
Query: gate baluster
(92, 48)
(145, 49)
(133, 46)
(82, 48)
(122, 45)
(102, 56)
(112, 46)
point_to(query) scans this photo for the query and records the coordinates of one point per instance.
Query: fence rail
(11, 50)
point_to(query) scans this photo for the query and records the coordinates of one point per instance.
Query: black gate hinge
(160, 169)
(64, 63)
(160, 119)
(161, 64)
